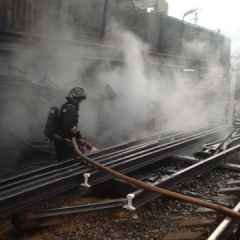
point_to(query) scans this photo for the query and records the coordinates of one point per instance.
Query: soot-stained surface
(161, 219)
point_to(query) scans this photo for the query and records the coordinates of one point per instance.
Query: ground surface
(162, 219)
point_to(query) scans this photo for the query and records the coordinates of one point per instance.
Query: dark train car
(27, 93)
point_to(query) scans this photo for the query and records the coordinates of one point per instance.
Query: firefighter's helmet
(77, 93)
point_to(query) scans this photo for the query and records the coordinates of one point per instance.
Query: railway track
(25, 189)
(205, 224)
(169, 171)
(228, 229)
(110, 151)
(193, 226)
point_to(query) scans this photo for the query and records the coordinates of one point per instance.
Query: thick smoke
(145, 100)
(130, 93)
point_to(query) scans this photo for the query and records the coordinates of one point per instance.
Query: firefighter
(62, 125)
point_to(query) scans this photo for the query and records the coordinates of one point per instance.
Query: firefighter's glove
(94, 149)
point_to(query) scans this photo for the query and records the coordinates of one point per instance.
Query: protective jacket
(68, 119)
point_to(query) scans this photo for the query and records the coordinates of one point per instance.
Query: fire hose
(150, 188)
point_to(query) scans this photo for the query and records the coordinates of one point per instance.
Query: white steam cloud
(130, 93)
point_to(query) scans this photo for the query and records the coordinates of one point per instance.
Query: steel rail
(53, 176)
(156, 137)
(198, 168)
(73, 210)
(16, 206)
(192, 160)
(149, 150)
(161, 136)
(73, 167)
(92, 155)
(150, 158)
(39, 176)
(131, 143)
(21, 176)
(102, 152)
(30, 175)
(115, 163)
(44, 172)
(157, 190)
(136, 144)
(49, 187)
(109, 205)
(137, 148)
(83, 208)
(79, 170)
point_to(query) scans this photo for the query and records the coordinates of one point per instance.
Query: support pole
(104, 19)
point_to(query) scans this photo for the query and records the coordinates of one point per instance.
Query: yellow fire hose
(150, 188)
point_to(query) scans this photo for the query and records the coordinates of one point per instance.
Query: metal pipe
(223, 225)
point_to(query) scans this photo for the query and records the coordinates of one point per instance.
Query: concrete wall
(164, 34)
(169, 35)
(92, 18)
